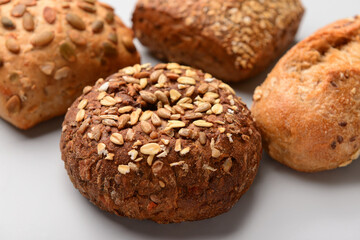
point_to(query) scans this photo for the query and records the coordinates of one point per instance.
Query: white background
(38, 201)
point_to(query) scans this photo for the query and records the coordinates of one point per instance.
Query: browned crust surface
(308, 108)
(177, 157)
(233, 40)
(50, 50)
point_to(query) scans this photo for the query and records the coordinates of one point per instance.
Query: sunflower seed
(192, 116)
(8, 23)
(123, 120)
(117, 139)
(109, 122)
(125, 109)
(12, 45)
(150, 149)
(186, 80)
(217, 109)
(62, 73)
(75, 21)
(162, 97)
(47, 68)
(146, 127)
(202, 138)
(211, 95)
(101, 149)
(146, 115)
(203, 107)
(226, 86)
(18, 10)
(174, 95)
(171, 66)
(67, 52)
(82, 104)
(202, 123)
(42, 39)
(155, 119)
(86, 89)
(97, 26)
(155, 75)
(131, 80)
(143, 83)
(175, 124)
(108, 101)
(80, 115)
(28, 22)
(13, 105)
(49, 15)
(134, 117)
(104, 87)
(148, 97)
(190, 91)
(164, 113)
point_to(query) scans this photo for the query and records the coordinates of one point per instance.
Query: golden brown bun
(233, 40)
(308, 107)
(169, 144)
(50, 50)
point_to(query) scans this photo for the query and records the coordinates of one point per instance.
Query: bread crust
(50, 50)
(191, 170)
(308, 107)
(233, 40)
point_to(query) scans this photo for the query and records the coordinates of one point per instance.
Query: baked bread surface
(308, 108)
(50, 50)
(233, 40)
(169, 144)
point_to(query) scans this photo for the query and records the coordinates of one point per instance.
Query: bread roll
(308, 108)
(168, 143)
(231, 39)
(50, 50)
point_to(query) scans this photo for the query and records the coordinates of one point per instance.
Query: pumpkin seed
(109, 49)
(8, 23)
(28, 22)
(75, 21)
(110, 17)
(97, 26)
(113, 38)
(67, 52)
(77, 38)
(18, 10)
(87, 7)
(49, 15)
(12, 45)
(42, 39)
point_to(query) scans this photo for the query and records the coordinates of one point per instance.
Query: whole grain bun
(231, 39)
(169, 144)
(50, 50)
(308, 107)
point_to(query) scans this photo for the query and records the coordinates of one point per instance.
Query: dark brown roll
(168, 143)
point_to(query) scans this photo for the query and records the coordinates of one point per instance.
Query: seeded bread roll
(308, 107)
(169, 144)
(50, 50)
(233, 40)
